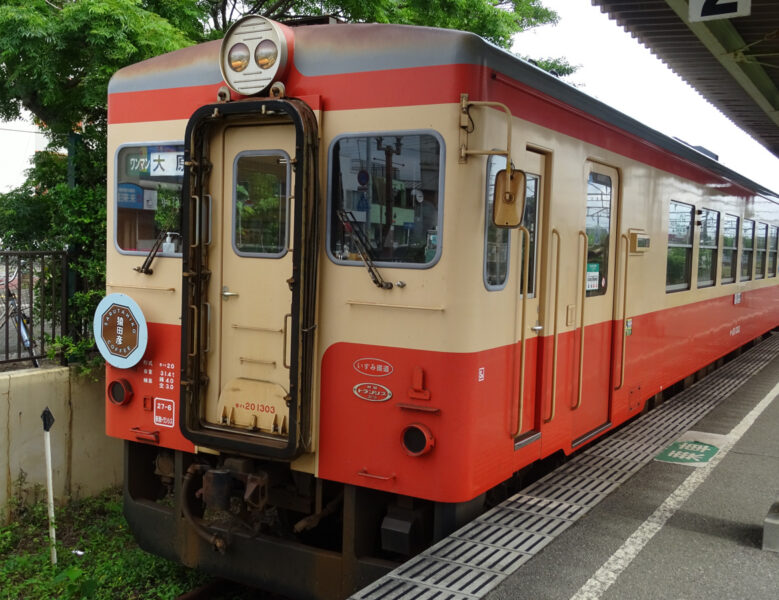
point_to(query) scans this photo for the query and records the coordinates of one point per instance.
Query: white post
(48, 421)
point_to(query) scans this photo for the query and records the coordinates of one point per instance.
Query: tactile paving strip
(476, 558)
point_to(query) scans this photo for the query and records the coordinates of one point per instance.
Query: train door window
(747, 248)
(148, 188)
(707, 249)
(598, 224)
(730, 231)
(260, 204)
(497, 239)
(773, 240)
(679, 263)
(386, 199)
(761, 238)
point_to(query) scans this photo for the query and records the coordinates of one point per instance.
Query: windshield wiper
(358, 236)
(145, 268)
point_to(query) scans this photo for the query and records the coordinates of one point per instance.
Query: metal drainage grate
(476, 558)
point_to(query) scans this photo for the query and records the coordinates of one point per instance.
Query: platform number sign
(708, 10)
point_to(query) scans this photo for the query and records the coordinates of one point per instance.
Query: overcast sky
(614, 68)
(619, 71)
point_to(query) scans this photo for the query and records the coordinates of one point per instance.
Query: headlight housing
(253, 55)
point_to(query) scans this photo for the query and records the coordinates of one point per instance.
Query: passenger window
(679, 263)
(260, 206)
(148, 190)
(773, 240)
(385, 191)
(730, 230)
(497, 239)
(747, 241)
(760, 250)
(707, 250)
(598, 224)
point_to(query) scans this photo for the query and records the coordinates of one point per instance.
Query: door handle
(227, 294)
(537, 328)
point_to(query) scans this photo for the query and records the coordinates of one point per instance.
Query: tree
(57, 56)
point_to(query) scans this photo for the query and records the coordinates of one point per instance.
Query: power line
(21, 130)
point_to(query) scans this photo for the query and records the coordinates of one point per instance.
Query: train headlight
(253, 37)
(265, 54)
(238, 57)
(120, 391)
(417, 439)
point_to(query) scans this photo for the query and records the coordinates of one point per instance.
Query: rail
(624, 310)
(523, 336)
(582, 300)
(33, 303)
(555, 236)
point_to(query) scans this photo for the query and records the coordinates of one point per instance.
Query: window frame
(713, 247)
(772, 250)
(287, 203)
(735, 264)
(758, 226)
(440, 207)
(747, 252)
(599, 291)
(687, 285)
(490, 225)
(115, 224)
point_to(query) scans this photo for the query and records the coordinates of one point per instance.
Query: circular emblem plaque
(120, 330)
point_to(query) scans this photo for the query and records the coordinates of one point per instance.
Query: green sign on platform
(688, 452)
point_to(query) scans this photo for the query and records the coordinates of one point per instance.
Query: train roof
(343, 49)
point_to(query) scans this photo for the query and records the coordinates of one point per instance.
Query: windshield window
(149, 180)
(391, 186)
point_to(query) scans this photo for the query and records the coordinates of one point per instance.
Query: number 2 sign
(708, 10)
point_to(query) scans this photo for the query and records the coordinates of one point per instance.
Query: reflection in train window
(729, 247)
(497, 239)
(598, 222)
(679, 264)
(773, 241)
(748, 242)
(385, 195)
(260, 206)
(148, 190)
(760, 250)
(707, 250)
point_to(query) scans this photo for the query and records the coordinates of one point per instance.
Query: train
(360, 276)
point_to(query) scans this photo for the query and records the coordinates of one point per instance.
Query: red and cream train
(322, 352)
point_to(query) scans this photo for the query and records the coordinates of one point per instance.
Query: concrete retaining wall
(85, 461)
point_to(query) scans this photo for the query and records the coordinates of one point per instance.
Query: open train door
(598, 283)
(250, 277)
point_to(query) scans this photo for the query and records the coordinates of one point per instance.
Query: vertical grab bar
(523, 336)
(196, 232)
(582, 299)
(624, 310)
(555, 235)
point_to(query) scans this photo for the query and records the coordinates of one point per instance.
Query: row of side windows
(759, 244)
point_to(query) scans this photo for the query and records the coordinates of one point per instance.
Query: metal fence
(33, 304)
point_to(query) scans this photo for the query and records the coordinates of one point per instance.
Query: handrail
(523, 336)
(555, 234)
(624, 310)
(582, 300)
(465, 105)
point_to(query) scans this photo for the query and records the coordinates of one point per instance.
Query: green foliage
(107, 565)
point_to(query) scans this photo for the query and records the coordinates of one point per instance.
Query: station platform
(670, 506)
